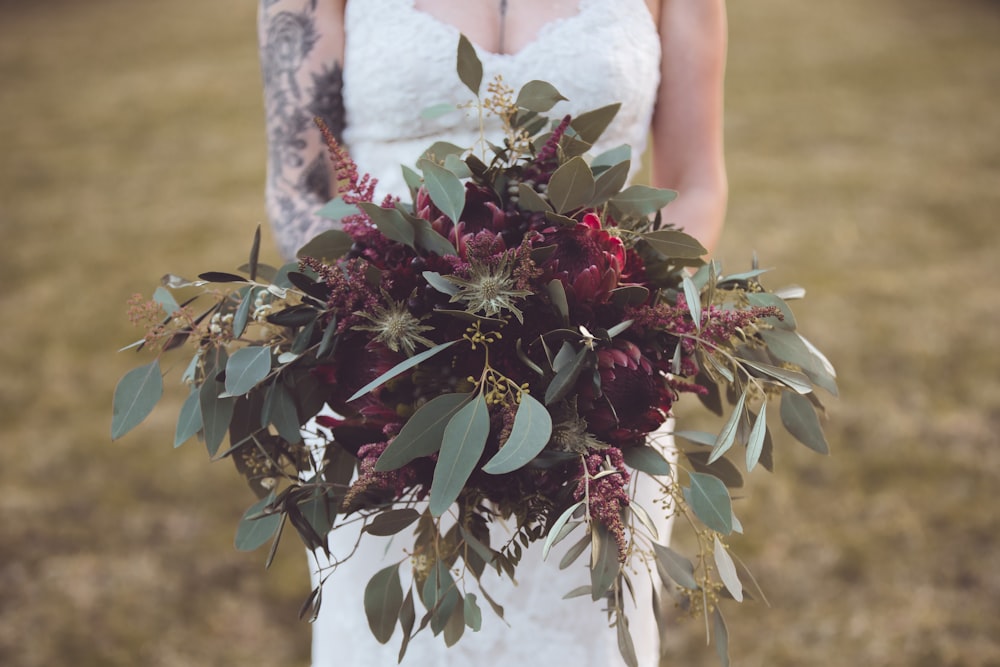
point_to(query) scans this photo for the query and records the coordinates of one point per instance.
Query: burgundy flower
(634, 396)
(588, 260)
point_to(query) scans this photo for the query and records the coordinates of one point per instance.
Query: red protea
(634, 397)
(587, 259)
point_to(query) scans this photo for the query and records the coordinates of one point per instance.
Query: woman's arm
(301, 51)
(687, 124)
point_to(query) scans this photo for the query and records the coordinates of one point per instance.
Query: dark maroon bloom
(587, 259)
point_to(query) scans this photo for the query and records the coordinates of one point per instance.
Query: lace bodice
(399, 60)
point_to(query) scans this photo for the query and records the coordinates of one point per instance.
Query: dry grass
(865, 165)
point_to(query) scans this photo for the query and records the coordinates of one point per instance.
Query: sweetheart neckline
(543, 32)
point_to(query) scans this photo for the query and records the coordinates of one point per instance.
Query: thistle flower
(395, 327)
(491, 287)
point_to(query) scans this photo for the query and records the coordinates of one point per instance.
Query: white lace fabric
(398, 61)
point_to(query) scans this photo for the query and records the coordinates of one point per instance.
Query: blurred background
(864, 153)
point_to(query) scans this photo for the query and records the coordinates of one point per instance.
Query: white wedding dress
(398, 61)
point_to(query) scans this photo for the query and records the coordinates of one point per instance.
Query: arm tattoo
(297, 187)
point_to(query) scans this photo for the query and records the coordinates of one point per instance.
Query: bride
(367, 68)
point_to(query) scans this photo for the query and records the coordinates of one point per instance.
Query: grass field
(864, 152)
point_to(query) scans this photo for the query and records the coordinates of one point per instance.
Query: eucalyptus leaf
(610, 183)
(557, 526)
(383, 601)
(407, 617)
(422, 433)
(279, 409)
(390, 223)
(136, 394)
(216, 413)
(473, 615)
(590, 125)
(571, 185)
(401, 367)
(189, 419)
(529, 200)
(575, 552)
(605, 566)
(674, 243)
(693, 299)
(463, 443)
(243, 312)
(247, 368)
(445, 189)
(538, 96)
(440, 283)
(440, 150)
(755, 443)
(625, 645)
(564, 381)
(721, 637)
(557, 295)
(799, 418)
(255, 529)
(697, 437)
(647, 459)
(427, 239)
(470, 68)
(675, 566)
(163, 297)
(710, 502)
(797, 382)
(528, 437)
(437, 110)
(611, 157)
(336, 209)
(642, 200)
(727, 435)
(221, 277)
(440, 591)
(727, 570)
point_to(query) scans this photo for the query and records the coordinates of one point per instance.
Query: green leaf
(255, 529)
(456, 165)
(646, 459)
(625, 646)
(383, 601)
(697, 437)
(575, 552)
(470, 68)
(440, 283)
(797, 382)
(693, 301)
(605, 565)
(789, 346)
(401, 367)
(189, 419)
(565, 378)
(422, 433)
(799, 418)
(529, 200)
(724, 469)
(328, 245)
(254, 255)
(247, 368)
(590, 125)
(440, 150)
(721, 634)
(427, 239)
(216, 413)
(528, 437)
(727, 571)
(473, 615)
(440, 595)
(243, 312)
(390, 223)
(727, 435)
(445, 189)
(464, 440)
(610, 183)
(672, 243)
(391, 522)
(455, 627)
(768, 299)
(642, 200)
(710, 502)
(571, 185)
(557, 526)
(610, 158)
(675, 567)
(221, 277)
(557, 295)
(437, 110)
(619, 328)
(755, 443)
(336, 209)
(279, 409)
(163, 297)
(136, 394)
(538, 96)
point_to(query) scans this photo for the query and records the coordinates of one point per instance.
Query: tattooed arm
(301, 50)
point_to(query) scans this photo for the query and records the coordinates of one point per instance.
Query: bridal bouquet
(504, 347)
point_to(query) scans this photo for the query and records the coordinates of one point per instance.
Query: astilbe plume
(606, 496)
